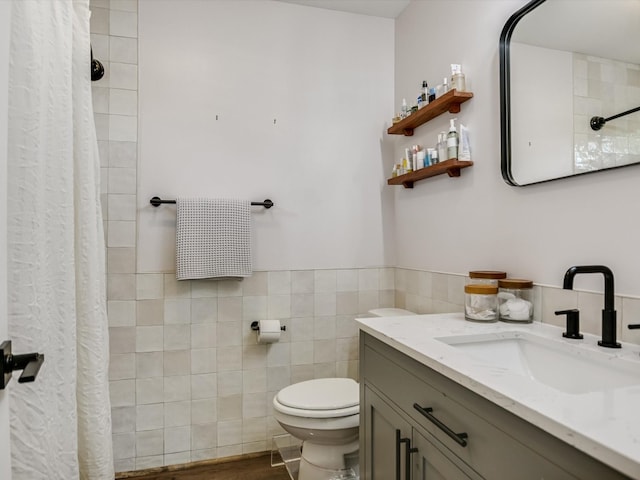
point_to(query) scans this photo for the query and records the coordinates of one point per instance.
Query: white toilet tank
(390, 312)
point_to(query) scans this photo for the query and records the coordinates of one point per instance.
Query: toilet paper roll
(268, 331)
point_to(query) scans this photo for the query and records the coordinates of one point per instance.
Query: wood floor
(252, 468)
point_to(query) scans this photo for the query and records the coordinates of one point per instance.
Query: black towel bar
(157, 201)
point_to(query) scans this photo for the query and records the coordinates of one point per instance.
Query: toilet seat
(299, 412)
(319, 398)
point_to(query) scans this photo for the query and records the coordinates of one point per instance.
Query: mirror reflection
(564, 62)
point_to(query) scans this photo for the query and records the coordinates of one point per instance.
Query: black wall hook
(97, 69)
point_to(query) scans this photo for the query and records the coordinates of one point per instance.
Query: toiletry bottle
(457, 77)
(425, 93)
(464, 150)
(420, 160)
(458, 82)
(435, 157)
(432, 94)
(408, 166)
(432, 154)
(405, 109)
(452, 141)
(442, 146)
(445, 85)
(415, 149)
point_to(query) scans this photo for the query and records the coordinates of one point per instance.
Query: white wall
(477, 220)
(213, 77)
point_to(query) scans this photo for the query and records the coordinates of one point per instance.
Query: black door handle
(398, 442)
(29, 363)
(407, 456)
(408, 450)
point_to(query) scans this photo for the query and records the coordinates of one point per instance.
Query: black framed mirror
(562, 64)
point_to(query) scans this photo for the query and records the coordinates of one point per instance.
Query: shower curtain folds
(60, 424)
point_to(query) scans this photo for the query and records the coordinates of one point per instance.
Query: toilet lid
(321, 394)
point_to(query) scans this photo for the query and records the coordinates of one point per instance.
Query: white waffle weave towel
(213, 238)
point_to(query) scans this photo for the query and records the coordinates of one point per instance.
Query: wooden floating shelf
(450, 167)
(449, 102)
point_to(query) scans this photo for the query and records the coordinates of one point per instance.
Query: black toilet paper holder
(255, 326)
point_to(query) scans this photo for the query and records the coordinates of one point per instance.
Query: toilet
(325, 414)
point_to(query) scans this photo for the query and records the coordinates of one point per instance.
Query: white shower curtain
(61, 423)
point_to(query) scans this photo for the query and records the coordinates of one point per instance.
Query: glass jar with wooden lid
(481, 303)
(515, 299)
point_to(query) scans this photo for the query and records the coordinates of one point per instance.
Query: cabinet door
(430, 463)
(386, 442)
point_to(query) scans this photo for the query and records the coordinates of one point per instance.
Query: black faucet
(609, 313)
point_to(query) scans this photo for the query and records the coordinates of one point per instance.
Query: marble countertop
(603, 424)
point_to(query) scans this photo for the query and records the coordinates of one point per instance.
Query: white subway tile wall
(605, 87)
(443, 293)
(187, 372)
(188, 381)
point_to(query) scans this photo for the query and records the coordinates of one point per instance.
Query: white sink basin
(565, 366)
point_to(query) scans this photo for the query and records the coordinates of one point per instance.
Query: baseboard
(186, 466)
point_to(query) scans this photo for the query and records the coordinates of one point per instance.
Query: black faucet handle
(573, 323)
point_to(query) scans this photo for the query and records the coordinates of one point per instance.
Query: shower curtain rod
(157, 201)
(598, 122)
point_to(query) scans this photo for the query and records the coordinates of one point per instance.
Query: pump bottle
(452, 141)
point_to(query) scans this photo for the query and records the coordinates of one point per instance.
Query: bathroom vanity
(430, 409)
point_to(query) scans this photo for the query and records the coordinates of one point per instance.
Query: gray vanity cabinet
(431, 463)
(397, 450)
(387, 427)
(412, 413)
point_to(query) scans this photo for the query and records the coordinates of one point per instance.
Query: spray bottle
(452, 141)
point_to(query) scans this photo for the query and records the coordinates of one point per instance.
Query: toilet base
(323, 462)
